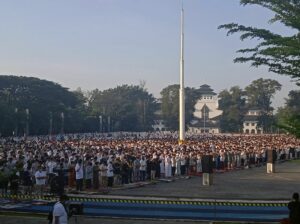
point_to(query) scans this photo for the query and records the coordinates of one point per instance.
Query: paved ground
(28, 220)
(252, 183)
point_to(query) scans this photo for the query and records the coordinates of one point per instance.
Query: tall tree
(124, 108)
(288, 117)
(281, 54)
(170, 105)
(39, 98)
(259, 95)
(232, 103)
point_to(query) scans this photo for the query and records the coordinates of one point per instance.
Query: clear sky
(104, 43)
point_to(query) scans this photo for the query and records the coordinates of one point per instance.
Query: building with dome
(207, 114)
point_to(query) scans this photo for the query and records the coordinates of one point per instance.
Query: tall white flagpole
(181, 90)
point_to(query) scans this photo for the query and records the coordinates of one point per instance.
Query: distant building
(159, 124)
(207, 114)
(250, 124)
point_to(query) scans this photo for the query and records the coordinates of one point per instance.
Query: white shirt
(110, 170)
(60, 211)
(41, 181)
(103, 170)
(143, 165)
(79, 171)
(51, 165)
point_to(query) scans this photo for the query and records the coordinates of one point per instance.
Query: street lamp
(16, 117)
(27, 123)
(204, 113)
(50, 123)
(100, 123)
(62, 115)
(108, 124)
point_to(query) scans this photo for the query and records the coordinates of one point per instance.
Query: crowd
(99, 161)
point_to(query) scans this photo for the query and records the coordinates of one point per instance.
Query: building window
(247, 124)
(253, 124)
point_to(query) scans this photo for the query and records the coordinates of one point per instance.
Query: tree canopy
(281, 54)
(170, 105)
(124, 108)
(236, 102)
(46, 107)
(232, 103)
(41, 99)
(288, 117)
(260, 93)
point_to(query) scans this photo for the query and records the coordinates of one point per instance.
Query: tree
(41, 98)
(259, 95)
(232, 103)
(288, 117)
(281, 54)
(170, 105)
(124, 108)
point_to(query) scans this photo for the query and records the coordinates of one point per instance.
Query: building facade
(207, 114)
(250, 123)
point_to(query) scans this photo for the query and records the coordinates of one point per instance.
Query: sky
(104, 43)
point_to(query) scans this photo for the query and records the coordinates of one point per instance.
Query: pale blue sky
(104, 43)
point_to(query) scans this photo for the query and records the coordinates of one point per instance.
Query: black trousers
(110, 181)
(182, 169)
(79, 184)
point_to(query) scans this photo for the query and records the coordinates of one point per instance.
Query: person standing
(182, 165)
(294, 209)
(4, 179)
(50, 166)
(153, 168)
(173, 165)
(79, 175)
(27, 181)
(96, 175)
(162, 166)
(60, 179)
(72, 178)
(136, 169)
(199, 164)
(40, 180)
(88, 175)
(103, 174)
(110, 174)
(60, 214)
(178, 165)
(168, 167)
(143, 166)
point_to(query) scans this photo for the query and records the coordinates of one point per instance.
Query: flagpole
(181, 90)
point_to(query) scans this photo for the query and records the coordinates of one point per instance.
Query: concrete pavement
(252, 184)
